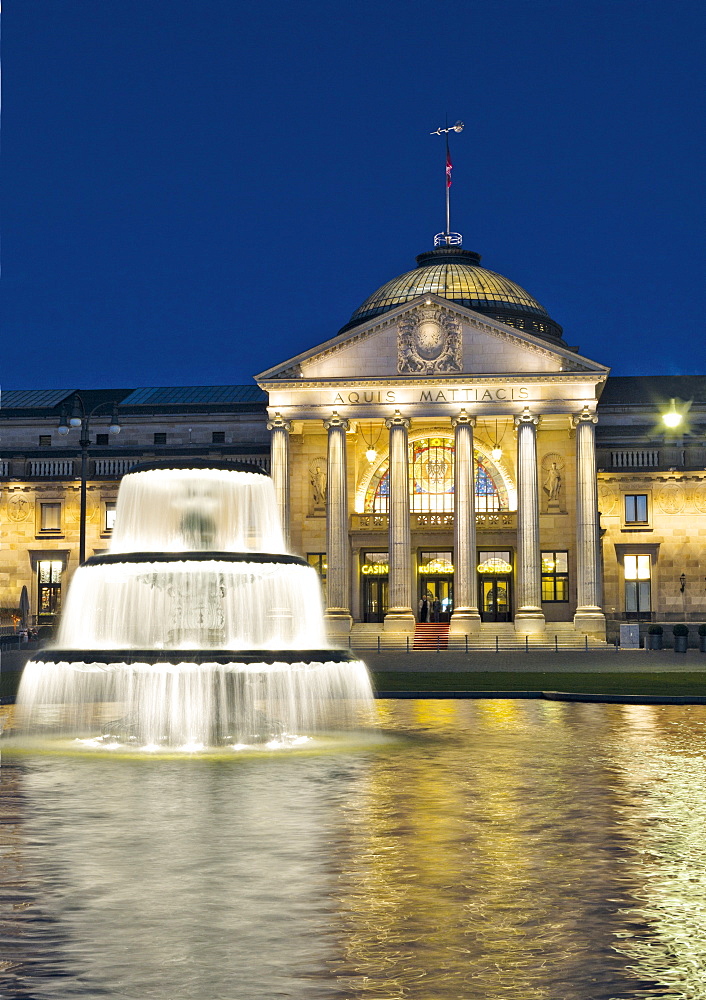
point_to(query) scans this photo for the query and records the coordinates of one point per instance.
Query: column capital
(336, 421)
(584, 417)
(463, 418)
(526, 418)
(397, 421)
(279, 423)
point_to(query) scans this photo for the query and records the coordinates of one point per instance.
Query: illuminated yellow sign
(436, 566)
(494, 565)
(375, 569)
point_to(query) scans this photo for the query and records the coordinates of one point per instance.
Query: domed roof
(456, 274)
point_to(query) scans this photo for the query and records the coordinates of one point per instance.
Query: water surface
(530, 850)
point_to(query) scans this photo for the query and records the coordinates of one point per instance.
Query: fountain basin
(196, 629)
(194, 699)
(202, 600)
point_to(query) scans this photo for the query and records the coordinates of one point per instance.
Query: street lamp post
(82, 418)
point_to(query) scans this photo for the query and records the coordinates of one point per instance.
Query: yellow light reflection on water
(447, 863)
(660, 763)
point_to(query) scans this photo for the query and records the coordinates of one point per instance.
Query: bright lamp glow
(672, 418)
(371, 454)
(496, 454)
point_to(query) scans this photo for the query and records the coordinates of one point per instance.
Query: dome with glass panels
(456, 274)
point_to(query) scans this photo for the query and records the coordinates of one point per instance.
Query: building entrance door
(439, 593)
(495, 598)
(375, 599)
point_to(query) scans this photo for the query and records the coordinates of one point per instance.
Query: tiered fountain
(196, 629)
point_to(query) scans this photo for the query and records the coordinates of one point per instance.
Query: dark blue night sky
(194, 192)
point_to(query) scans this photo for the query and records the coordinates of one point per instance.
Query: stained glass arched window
(431, 481)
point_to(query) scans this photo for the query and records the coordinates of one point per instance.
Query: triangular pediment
(428, 338)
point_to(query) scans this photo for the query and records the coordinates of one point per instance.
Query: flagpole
(448, 189)
(448, 238)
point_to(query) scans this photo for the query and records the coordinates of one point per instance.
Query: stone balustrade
(51, 468)
(502, 520)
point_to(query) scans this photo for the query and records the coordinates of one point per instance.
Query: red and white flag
(449, 166)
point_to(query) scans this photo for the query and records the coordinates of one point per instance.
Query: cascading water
(196, 629)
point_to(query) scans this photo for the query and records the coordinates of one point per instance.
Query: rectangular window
(160, 438)
(109, 522)
(49, 589)
(218, 437)
(50, 517)
(102, 439)
(637, 571)
(318, 561)
(636, 508)
(45, 440)
(555, 576)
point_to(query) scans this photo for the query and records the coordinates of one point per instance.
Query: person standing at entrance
(424, 609)
(436, 610)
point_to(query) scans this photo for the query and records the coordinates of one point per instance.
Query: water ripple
(529, 850)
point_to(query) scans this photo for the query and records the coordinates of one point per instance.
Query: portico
(460, 471)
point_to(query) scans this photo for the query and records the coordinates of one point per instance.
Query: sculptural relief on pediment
(428, 341)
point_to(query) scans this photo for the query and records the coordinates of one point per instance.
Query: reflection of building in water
(481, 873)
(447, 442)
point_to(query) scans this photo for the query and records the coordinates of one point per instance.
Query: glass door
(495, 598)
(374, 570)
(375, 599)
(438, 593)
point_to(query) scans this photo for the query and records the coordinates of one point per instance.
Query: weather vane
(448, 238)
(458, 127)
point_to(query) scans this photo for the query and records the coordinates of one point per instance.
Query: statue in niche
(318, 482)
(552, 484)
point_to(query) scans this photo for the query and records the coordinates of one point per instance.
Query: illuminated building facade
(440, 454)
(446, 457)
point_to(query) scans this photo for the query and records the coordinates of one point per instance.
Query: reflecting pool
(476, 849)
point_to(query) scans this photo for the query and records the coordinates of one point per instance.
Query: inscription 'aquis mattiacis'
(463, 394)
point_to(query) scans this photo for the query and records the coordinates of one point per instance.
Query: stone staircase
(431, 635)
(492, 636)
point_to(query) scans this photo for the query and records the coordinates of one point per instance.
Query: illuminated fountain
(196, 628)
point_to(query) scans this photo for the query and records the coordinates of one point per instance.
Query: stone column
(279, 460)
(465, 618)
(338, 616)
(529, 616)
(400, 617)
(589, 617)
